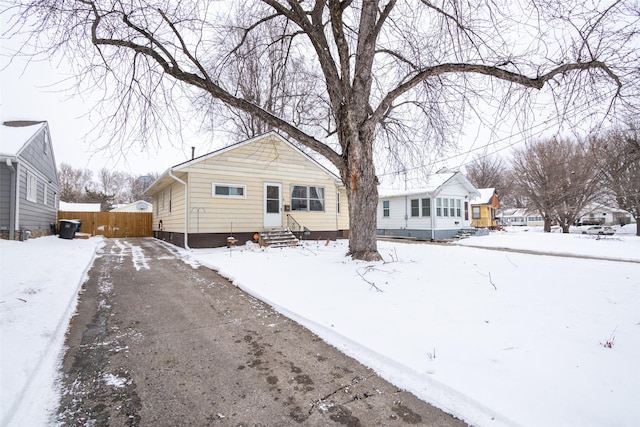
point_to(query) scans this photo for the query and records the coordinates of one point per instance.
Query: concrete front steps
(278, 238)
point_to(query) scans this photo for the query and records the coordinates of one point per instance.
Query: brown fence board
(113, 224)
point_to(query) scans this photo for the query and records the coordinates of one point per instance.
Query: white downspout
(186, 209)
(432, 202)
(13, 199)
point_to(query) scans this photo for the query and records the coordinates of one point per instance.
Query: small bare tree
(406, 72)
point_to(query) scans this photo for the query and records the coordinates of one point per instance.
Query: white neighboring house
(138, 206)
(79, 207)
(437, 211)
(599, 214)
(519, 217)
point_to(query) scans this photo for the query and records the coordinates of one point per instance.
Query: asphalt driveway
(157, 342)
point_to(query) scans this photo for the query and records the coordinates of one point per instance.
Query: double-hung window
(475, 212)
(32, 187)
(438, 206)
(385, 208)
(307, 198)
(415, 207)
(458, 208)
(426, 207)
(445, 207)
(452, 207)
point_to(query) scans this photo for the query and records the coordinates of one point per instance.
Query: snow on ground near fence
(39, 283)
(497, 338)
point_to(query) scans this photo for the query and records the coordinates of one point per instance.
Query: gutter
(186, 208)
(13, 207)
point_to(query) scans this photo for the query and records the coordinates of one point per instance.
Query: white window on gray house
(32, 187)
(45, 195)
(307, 198)
(426, 207)
(385, 208)
(229, 190)
(438, 206)
(415, 207)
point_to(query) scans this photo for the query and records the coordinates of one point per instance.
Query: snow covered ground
(494, 337)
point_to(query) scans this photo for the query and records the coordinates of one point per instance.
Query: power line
(544, 124)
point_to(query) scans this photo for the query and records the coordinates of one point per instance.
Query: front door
(272, 208)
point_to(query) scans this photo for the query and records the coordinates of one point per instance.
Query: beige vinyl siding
(252, 165)
(174, 220)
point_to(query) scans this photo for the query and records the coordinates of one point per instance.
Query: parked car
(600, 230)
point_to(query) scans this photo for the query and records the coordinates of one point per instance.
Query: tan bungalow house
(247, 189)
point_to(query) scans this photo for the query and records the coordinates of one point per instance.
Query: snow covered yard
(496, 338)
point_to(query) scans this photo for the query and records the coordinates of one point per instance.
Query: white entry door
(272, 205)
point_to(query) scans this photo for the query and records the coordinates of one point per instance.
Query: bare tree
(491, 172)
(116, 184)
(617, 154)
(376, 67)
(263, 72)
(558, 178)
(73, 183)
(138, 186)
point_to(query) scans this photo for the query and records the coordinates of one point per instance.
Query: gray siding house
(29, 190)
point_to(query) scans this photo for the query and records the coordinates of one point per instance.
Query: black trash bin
(68, 228)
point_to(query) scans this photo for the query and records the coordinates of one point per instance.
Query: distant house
(29, 187)
(139, 206)
(598, 214)
(79, 207)
(519, 217)
(437, 211)
(261, 184)
(484, 208)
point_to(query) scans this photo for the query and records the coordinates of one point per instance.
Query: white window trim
(45, 195)
(231, 196)
(32, 187)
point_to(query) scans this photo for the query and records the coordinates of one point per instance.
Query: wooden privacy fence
(113, 224)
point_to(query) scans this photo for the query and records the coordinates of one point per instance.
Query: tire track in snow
(137, 255)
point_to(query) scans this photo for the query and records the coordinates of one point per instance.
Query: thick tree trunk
(360, 178)
(547, 224)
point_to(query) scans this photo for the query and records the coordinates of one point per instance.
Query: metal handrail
(294, 226)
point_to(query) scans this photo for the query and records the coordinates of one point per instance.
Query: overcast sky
(36, 93)
(40, 91)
